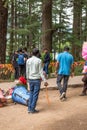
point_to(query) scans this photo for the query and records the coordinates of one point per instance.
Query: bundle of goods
(20, 95)
(3, 100)
(8, 95)
(22, 82)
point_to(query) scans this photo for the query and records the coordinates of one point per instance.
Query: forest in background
(42, 23)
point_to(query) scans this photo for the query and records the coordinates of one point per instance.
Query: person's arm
(42, 75)
(27, 70)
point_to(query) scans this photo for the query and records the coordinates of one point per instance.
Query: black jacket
(47, 58)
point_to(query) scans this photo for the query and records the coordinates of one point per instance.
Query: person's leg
(47, 65)
(19, 68)
(16, 73)
(44, 68)
(37, 84)
(65, 83)
(59, 79)
(22, 70)
(84, 89)
(31, 95)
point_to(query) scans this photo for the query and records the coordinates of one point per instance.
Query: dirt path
(68, 115)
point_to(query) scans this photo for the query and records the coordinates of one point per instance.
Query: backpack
(21, 59)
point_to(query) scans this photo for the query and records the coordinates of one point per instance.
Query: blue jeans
(65, 79)
(34, 92)
(46, 65)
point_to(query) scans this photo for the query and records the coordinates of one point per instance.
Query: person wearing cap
(84, 80)
(64, 67)
(34, 74)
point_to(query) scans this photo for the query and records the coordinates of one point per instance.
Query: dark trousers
(84, 88)
(21, 70)
(84, 79)
(45, 68)
(62, 88)
(16, 73)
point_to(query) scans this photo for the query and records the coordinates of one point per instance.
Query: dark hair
(66, 48)
(20, 50)
(35, 52)
(45, 49)
(25, 48)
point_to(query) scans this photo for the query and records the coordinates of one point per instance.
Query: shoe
(63, 95)
(82, 94)
(47, 76)
(33, 112)
(63, 99)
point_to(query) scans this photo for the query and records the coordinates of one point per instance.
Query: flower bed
(77, 65)
(6, 71)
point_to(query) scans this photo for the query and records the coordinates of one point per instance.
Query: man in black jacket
(15, 64)
(46, 61)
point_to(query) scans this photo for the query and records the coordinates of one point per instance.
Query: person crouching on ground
(84, 80)
(34, 73)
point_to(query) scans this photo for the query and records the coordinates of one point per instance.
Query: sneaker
(63, 99)
(47, 76)
(63, 95)
(33, 112)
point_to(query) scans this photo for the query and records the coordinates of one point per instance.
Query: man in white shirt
(34, 73)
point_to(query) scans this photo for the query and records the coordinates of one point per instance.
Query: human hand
(72, 75)
(45, 84)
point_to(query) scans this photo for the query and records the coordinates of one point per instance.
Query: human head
(35, 52)
(16, 52)
(66, 48)
(45, 50)
(20, 50)
(25, 49)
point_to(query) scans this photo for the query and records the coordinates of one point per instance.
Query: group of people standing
(19, 59)
(35, 72)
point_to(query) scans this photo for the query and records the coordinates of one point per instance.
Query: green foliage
(28, 17)
(78, 70)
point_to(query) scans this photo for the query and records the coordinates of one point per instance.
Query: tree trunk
(30, 36)
(86, 23)
(47, 24)
(12, 27)
(3, 31)
(77, 28)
